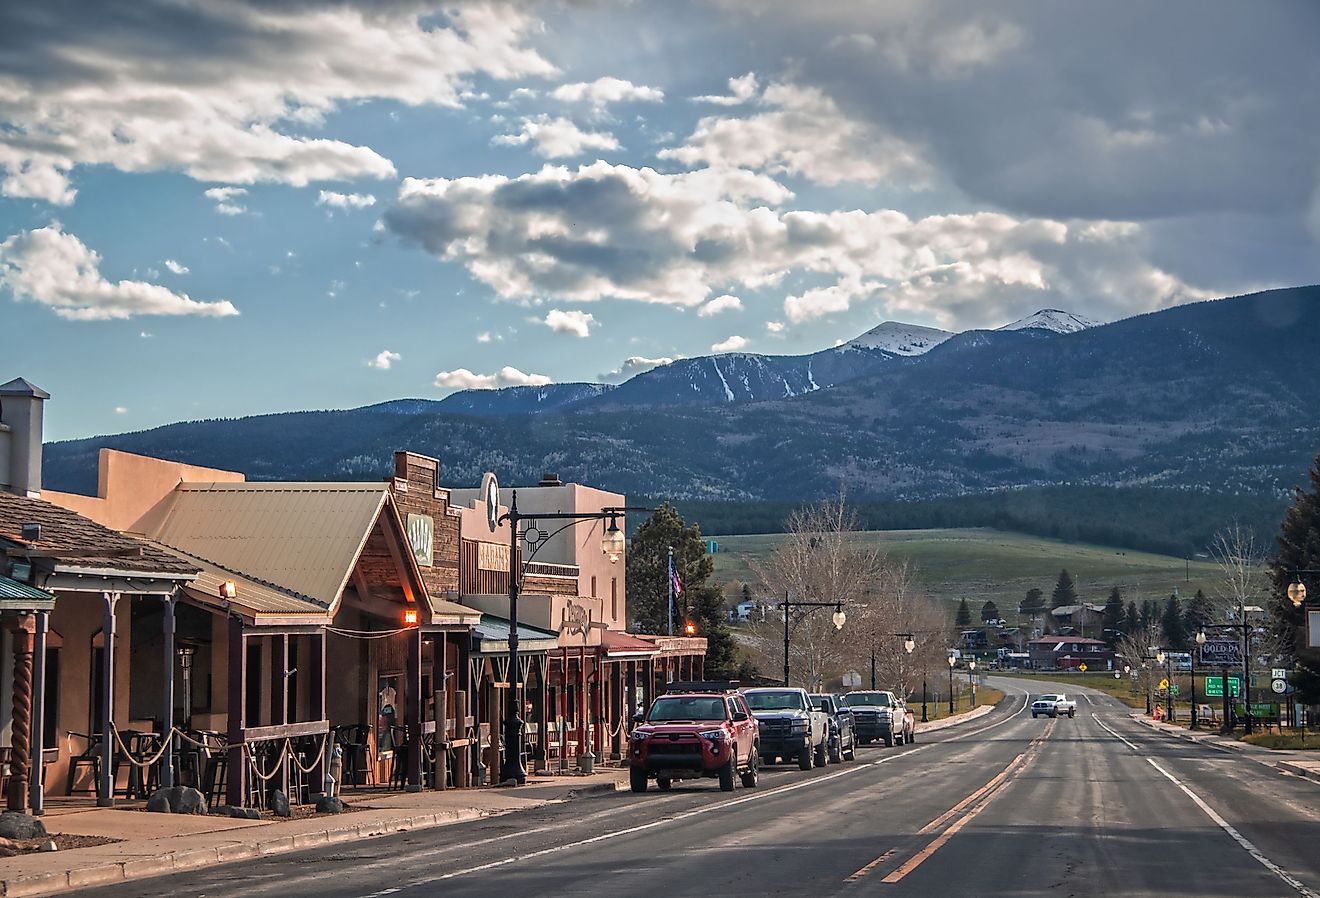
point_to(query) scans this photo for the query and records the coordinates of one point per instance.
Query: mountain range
(1216, 396)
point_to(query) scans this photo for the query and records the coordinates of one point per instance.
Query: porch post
(440, 710)
(20, 761)
(236, 769)
(37, 787)
(167, 695)
(414, 678)
(316, 692)
(279, 701)
(105, 794)
(543, 717)
(616, 710)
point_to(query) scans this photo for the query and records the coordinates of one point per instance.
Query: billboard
(1221, 653)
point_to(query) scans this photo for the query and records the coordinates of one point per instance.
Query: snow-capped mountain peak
(1055, 320)
(898, 338)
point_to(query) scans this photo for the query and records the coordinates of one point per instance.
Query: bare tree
(1241, 564)
(895, 607)
(1137, 650)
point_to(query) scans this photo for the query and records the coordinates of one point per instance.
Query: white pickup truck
(1054, 705)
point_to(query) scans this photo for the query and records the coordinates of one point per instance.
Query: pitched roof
(20, 596)
(76, 542)
(303, 538)
(22, 387)
(255, 599)
(618, 643)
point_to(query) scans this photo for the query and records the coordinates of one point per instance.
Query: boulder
(14, 825)
(188, 801)
(159, 802)
(329, 804)
(279, 804)
(229, 810)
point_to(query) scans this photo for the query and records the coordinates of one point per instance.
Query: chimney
(550, 479)
(21, 408)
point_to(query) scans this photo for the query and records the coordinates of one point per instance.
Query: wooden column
(236, 769)
(279, 702)
(543, 716)
(316, 695)
(617, 723)
(167, 693)
(20, 760)
(440, 710)
(37, 788)
(413, 675)
(461, 766)
(105, 795)
(583, 704)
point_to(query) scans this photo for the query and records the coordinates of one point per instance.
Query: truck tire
(836, 751)
(753, 768)
(726, 776)
(1072, 712)
(805, 758)
(889, 742)
(1033, 715)
(637, 779)
(665, 783)
(823, 754)
(851, 753)
(899, 738)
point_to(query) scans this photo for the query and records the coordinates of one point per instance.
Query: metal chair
(354, 741)
(89, 759)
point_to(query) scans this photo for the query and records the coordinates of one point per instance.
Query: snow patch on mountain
(1055, 320)
(898, 338)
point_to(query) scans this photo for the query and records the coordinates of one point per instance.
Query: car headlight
(641, 735)
(799, 726)
(713, 735)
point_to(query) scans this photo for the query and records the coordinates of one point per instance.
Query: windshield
(1049, 698)
(775, 701)
(822, 703)
(867, 698)
(686, 708)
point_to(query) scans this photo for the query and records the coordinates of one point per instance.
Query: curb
(1299, 770)
(82, 877)
(595, 789)
(933, 725)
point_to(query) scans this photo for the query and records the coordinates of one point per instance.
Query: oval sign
(490, 491)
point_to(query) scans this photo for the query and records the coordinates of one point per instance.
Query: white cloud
(463, 379)
(569, 322)
(725, 303)
(57, 270)
(805, 134)
(176, 267)
(732, 344)
(604, 91)
(385, 359)
(484, 337)
(345, 200)
(632, 366)
(121, 410)
(226, 93)
(611, 231)
(224, 202)
(336, 287)
(740, 91)
(774, 327)
(557, 138)
(146, 336)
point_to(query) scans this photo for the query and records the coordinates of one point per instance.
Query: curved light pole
(952, 661)
(1145, 665)
(1200, 641)
(838, 618)
(971, 683)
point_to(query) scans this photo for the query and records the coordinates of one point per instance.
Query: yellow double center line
(983, 795)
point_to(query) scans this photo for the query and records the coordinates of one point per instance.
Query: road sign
(852, 679)
(1082, 667)
(1279, 686)
(1214, 687)
(1278, 673)
(1221, 652)
(1174, 689)
(1164, 683)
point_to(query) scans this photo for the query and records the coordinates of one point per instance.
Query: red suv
(686, 735)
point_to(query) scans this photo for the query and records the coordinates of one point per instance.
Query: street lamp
(1200, 641)
(1145, 665)
(909, 643)
(1166, 658)
(952, 661)
(838, 618)
(971, 683)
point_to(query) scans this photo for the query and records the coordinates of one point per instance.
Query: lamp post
(1145, 665)
(1166, 658)
(952, 661)
(909, 643)
(971, 683)
(838, 618)
(1200, 641)
(612, 545)
(185, 653)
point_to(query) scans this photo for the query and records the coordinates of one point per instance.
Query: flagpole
(670, 581)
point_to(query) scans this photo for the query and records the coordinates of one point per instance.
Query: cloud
(804, 134)
(774, 327)
(603, 91)
(176, 267)
(55, 269)
(121, 410)
(570, 322)
(484, 337)
(557, 138)
(740, 91)
(229, 93)
(345, 200)
(732, 344)
(224, 202)
(463, 379)
(611, 231)
(385, 359)
(725, 303)
(632, 366)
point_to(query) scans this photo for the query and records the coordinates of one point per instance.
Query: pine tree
(1299, 550)
(989, 611)
(964, 616)
(1113, 618)
(1150, 611)
(1197, 613)
(1033, 604)
(1131, 620)
(1065, 591)
(1172, 623)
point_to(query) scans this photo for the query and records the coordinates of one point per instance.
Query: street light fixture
(838, 618)
(1200, 641)
(952, 661)
(971, 683)
(909, 643)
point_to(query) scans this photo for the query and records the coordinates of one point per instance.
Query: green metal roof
(494, 629)
(19, 595)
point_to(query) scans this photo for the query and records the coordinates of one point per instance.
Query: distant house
(1069, 653)
(1078, 619)
(749, 610)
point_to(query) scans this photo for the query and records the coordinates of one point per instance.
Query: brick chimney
(21, 408)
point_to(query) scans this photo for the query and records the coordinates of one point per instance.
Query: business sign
(1313, 629)
(421, 536)
(1221, 652)
(1214, 687)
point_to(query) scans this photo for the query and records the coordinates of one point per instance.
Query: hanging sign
(1221, 652)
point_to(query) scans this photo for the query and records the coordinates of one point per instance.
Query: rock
(8, 844)
(329, 804)
(279, 804)
(159, 802)
(14, 825)
(229, 810)
(189, 801)
(49, 845)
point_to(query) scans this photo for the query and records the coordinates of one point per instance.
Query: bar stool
(354, 741)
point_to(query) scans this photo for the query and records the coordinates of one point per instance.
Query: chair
(89, 759)
(354, 741)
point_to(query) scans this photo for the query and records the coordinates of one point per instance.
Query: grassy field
(981, 565)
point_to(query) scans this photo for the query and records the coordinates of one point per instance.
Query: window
(593, 586)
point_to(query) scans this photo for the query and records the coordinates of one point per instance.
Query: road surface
(1004, 805)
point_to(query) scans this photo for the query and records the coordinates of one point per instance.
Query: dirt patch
(14, 847)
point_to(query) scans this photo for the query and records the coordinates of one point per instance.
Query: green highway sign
(1214, 687)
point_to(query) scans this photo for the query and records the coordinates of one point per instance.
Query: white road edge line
(1251, 849)
(603, 837)
(1115, 734)
(1026, 700)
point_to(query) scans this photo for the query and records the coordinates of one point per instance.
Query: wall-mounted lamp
(410, 617)
(228, 590)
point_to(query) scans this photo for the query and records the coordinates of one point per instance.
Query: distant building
(1069, 653)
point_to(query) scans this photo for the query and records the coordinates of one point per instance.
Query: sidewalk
(940, 723)
(1295, 762)
(157, 844)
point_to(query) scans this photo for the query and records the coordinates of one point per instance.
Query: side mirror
(639, 717)
(739, 716)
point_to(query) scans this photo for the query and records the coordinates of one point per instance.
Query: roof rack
(702, 686)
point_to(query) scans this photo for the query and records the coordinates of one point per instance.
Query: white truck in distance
(1054, 706)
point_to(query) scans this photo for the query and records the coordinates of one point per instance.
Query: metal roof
(14, 595)
(443, 608)
(618, 644)
(303, 538)
(255, 600)
(493, 633)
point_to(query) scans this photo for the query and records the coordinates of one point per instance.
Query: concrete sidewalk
(1299, 763)
(158, 844)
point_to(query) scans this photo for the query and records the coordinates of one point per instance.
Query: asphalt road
(1004, 805)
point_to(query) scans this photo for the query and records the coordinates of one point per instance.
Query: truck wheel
(899, 739)
(637, 779)
(851, 753)
(1072, 712)
(753, 766)
(726, 776)
(889, 742)
(665, 783)
(804, 758)
(836, 751)
(823, 755)
(1033, 715)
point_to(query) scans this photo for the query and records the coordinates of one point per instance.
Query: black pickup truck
(843, 730)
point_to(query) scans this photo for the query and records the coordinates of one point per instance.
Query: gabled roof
(22, 387)
(15, 596)
(303, 538)
(255, 600)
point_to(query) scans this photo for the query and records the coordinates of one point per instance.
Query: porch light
(228, 590)
(613, 543)
(410, 617)
(690, 628)
(1297, 593)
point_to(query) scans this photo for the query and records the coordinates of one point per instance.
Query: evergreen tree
(1172, 623)
(1065, 591)
(1299, 549)
(1197, 613)
(701, 603)
(989, 611)
(1131, 620)
(964, 616)
(1113, 617)
(1150, 611)
(1033, 604)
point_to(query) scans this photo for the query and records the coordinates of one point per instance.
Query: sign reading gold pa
(421, 536)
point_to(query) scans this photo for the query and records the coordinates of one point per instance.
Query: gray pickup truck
(879, 714)
(791, 727)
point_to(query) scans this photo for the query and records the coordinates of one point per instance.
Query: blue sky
(216, 210)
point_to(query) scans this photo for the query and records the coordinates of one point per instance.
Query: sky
(215, 208)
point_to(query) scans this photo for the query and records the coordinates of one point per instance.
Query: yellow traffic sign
(1082, 667)
(1164, 684)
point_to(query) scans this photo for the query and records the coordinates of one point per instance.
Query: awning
(491, 637)
(618, 644)
(15, 596)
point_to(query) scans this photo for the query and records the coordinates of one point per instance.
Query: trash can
(586, 763)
